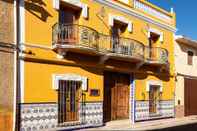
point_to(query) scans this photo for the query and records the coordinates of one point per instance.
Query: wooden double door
(116, 96)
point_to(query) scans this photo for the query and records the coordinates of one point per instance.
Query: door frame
(130, 95)
(71, 77)
(154, 83)
(77, 92)
(154, 91)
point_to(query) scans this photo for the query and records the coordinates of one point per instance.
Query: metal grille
(68, 101)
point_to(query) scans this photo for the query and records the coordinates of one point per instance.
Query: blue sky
(186, 12)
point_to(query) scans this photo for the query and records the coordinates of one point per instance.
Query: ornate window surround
(121, 19)
(71, 77)
(153, 30)
(154, 82)
(77, 3)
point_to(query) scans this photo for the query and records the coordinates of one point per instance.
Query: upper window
(190, 55)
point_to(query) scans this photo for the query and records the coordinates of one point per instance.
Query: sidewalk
(147, 125)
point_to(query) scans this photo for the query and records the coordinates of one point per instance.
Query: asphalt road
(189, 127)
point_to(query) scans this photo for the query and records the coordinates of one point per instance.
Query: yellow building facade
(87, 62)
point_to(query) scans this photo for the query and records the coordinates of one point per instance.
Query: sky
(186, 13)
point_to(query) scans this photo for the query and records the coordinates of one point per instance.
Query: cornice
(136, 14)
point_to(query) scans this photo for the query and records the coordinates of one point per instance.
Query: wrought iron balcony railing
(156, 55)
(128, 47)
(75, 35)
(83, 38)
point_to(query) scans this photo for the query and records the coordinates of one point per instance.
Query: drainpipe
(16, 115)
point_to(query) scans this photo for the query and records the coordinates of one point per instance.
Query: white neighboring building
(186, 76)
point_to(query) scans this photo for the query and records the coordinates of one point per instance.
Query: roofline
(185, 40)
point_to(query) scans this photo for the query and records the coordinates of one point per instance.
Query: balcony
(85, 40)
(126, 49)
(82, 39)
(75, 38)
(156, 56)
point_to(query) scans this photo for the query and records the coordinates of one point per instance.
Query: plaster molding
(122, 19)
(69, 77)
(77, 3)
(154, 82)
(137, 14)
(153, 30)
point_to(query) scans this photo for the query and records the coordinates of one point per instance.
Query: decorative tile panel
(93, 113)
(44, 116)
(141, 110)
(165, 108)
(38, 116)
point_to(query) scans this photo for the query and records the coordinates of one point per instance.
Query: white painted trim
(15, 68)
(122, 19)
(59, 56)
(152, 11)
(56, 4)
(22, 40)
(153, 30)
(85, 12)
(22, 21)
(137, 14)
(133, 101)
(22, 81)
(71, 77)
(154, 82)
(171, 10)
(130, 99)
(76, 3)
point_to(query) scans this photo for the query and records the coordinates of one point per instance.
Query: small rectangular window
(190, 55)
(94, 92)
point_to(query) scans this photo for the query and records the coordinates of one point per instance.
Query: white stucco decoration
(153, 30)
(121, 19)
(77, 3)
(125, 1)
(71, 77)
(154, 83)
(85, 11)
(56, 4)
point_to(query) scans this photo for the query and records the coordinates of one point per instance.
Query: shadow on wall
(165, 78)
(37, 8)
